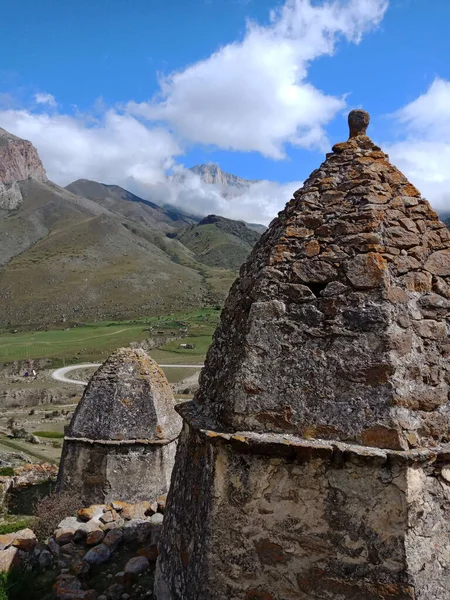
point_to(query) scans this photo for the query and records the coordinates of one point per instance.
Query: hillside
(68, 259)
(217, 241)
(119, 200)
(102, 253)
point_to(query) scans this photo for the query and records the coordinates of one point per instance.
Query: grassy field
(92, 343)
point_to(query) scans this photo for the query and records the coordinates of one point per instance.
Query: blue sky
(85, 82)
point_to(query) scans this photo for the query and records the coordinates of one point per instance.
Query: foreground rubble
(104, 552)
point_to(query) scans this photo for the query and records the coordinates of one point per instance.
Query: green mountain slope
(219, 242)
(65, 258)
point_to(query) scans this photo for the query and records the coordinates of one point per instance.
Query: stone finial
(358, 121)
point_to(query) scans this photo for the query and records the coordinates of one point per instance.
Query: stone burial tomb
(314, 460)
(121, 441)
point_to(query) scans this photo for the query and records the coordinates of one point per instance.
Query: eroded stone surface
(121, 441)
(340, 305)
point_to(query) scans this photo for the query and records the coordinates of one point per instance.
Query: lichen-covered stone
(336, 329)
(291, 356)
(121, 441)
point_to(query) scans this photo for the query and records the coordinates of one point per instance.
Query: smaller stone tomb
(121, 442)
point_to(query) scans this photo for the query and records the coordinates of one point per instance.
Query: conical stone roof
(337, 326)
(128, 398)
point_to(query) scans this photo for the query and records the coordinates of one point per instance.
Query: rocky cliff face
(19, 160)
(231, 185)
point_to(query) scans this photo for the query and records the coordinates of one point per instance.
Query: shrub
(13, 526)
(6, 471)
(51, 510)
(4, 586)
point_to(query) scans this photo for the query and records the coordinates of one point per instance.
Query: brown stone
(397, 294)
(24, 539)
(108, 516)
(136, 511)
(323, 585)
(9, 558)
(298, 232)
(431, 329)
(270, 553)
(95, 537)
(402, 343)
(64, 535)
(312, 248)
(367, 271)
(86, 514)
(380, 436)
(315, 271)
(118, 505)
(418, 281)
(150, 552)
(80, 568)
(162, 500)
(406, 263)
(258, 595)
(401, 238)
(438, 263)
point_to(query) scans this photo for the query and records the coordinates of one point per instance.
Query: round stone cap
(358, 121)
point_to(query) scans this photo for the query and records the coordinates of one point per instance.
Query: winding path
(60, 374)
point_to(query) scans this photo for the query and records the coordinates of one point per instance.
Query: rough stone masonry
(314, 461)
(121, 441)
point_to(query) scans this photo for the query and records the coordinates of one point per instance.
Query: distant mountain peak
(231, 185)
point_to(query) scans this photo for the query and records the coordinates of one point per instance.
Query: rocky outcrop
(314, 460)
(122, 438)
(19, 160)
(230, 185)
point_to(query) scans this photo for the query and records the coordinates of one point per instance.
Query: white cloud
(119, 149)
(116, 149)
(41, 98)
(253, 95)
(260, 203)
(424, 152)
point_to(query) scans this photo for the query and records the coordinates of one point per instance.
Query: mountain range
(92, 251)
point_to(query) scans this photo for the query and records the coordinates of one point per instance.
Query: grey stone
(157, 519)
(70, 523)
(137, 531)
(45, 559)
(86, 528)
(113, 539)
(137, 565)
(97, 555)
